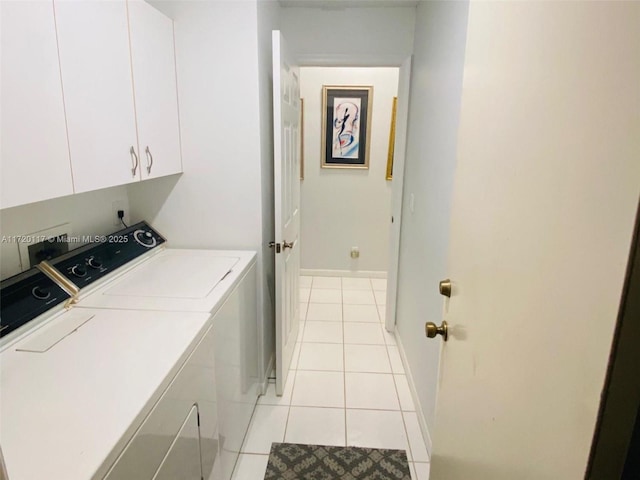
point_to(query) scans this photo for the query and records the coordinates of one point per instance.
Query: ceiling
(340, 4)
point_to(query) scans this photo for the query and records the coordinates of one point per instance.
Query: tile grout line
(295, 374)
(344, 370)
(404, 423)
(303, 327)
(350, 343)
(340, 408)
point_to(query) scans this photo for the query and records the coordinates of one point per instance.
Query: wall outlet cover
(59, 231)
(115, 206)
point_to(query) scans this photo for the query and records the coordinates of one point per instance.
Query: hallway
(347, 385)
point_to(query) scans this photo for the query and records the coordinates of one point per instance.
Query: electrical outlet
(63, 236)
(115, 206)
(355, 252)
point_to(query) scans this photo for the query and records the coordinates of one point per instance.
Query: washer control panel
(89, 263)
(26, 296)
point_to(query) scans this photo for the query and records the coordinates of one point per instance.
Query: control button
(144, 238)
(40, 293)
(79, 270)
(94, 262)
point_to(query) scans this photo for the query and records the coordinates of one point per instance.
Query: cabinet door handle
(134, 158)
(149, 160)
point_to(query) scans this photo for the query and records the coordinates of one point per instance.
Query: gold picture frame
(302, 139)
(392, 140)
(346, 126)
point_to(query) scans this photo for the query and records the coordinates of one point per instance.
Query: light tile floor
(347, 385)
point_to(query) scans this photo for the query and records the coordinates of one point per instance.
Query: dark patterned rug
(290, 461)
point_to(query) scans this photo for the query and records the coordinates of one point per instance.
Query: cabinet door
(35, 155)
(154, 78)
(147, 450)
(96, 77)
(182, 461)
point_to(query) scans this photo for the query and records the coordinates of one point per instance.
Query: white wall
(434, 107)
(342, 208)
(218, 201)
(349, 36)
(89, 213)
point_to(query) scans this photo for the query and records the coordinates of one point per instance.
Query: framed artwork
(392, 139)
(302, 139)
(346, 126)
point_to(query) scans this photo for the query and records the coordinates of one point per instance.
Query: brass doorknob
(431, 329)
(445, 287)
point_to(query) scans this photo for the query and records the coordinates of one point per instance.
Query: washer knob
(94, 262)
(145, 238)
(40, 293)
(79, 270)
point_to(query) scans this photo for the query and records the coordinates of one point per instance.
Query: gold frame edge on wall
(392, 140)
(302, 139)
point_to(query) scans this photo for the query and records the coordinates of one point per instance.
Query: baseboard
(412, 388)
(342, 273)
(265, 381)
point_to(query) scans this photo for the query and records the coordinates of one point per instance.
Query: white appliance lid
(51, 334)
(174, 276)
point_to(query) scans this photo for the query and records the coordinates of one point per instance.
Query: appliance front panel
(25, 297)
(85, 265)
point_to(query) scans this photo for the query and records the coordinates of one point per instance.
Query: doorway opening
(346, 384)
(346, 211)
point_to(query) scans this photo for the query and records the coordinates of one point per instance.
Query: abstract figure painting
(346, 119)
(346, 132)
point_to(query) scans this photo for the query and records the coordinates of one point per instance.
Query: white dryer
(134, 270)
(77, 384)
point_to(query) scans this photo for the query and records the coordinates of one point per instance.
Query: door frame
(397, 187)
(403, 63)
(613, 441)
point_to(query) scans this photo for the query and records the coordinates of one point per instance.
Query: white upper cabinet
(34, 163)
(89, 97)
(96, 76)
(154, 79)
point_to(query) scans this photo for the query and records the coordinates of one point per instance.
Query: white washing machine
(79, 386)
(134, 270)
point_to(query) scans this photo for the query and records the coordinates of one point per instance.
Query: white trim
(346, 60)
(414, 395)
(311, 272)
(397, 184)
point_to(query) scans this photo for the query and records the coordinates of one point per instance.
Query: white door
(154, 79)
(93, 39)
(545, 196)
(286, 158)
(33, 123)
